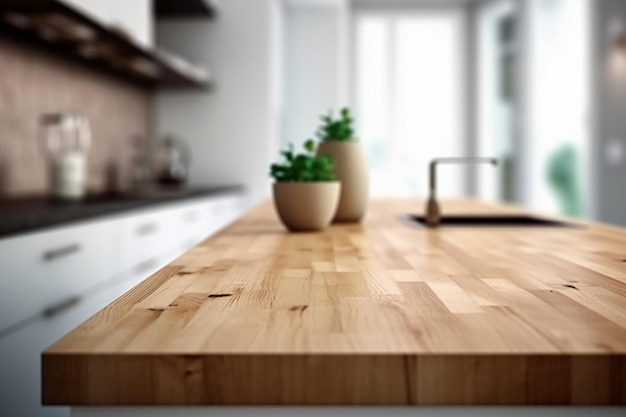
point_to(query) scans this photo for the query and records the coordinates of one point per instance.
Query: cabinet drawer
(190, 225)
(20, 367)
(232, 207)
(43, 269)
(221, 211)
(150, 234)
(144, 236)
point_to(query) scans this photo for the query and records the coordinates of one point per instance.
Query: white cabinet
(135, 17)
(144, 235)
(43, 269)
(149, 234)
(222, 211)
(72, 272)
(20, 353)
(192, 224)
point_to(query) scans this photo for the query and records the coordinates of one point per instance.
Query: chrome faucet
(433, 212)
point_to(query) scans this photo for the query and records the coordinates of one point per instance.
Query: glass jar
(172, 161)
(67, 138)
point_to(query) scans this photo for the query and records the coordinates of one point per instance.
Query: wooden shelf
(65, 31)
(184, 8)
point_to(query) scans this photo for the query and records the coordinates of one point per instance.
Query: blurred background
(539, 84)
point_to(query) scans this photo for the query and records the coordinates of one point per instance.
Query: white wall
(315, 65)
(232, 127)
(134, 16)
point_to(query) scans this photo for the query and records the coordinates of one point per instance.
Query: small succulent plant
(336, 129)
(303, 167)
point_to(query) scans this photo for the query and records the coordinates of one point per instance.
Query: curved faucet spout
(433, 212)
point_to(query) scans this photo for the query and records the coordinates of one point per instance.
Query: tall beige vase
(352, 171)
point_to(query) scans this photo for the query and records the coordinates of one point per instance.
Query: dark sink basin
(492, 221)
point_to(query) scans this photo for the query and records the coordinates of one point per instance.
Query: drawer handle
(145, 265)
(147, 229)
(52, 254)
(189, 243)
(191, 217)
(61, 306)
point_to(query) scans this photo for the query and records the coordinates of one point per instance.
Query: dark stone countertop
(33, 214)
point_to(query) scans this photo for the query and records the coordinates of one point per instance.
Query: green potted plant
(338, 142)
(306, 192)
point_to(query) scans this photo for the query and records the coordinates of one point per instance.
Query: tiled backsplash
(33, 82)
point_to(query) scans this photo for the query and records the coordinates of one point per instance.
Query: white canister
(68, 176)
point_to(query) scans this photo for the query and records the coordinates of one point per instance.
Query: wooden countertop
(373, 313)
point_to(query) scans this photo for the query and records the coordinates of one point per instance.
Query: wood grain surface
(380, 312)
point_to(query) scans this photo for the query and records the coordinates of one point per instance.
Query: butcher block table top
(380, 312)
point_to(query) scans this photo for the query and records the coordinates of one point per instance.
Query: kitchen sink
(502, 220)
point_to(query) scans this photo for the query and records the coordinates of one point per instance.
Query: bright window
(409, 98)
